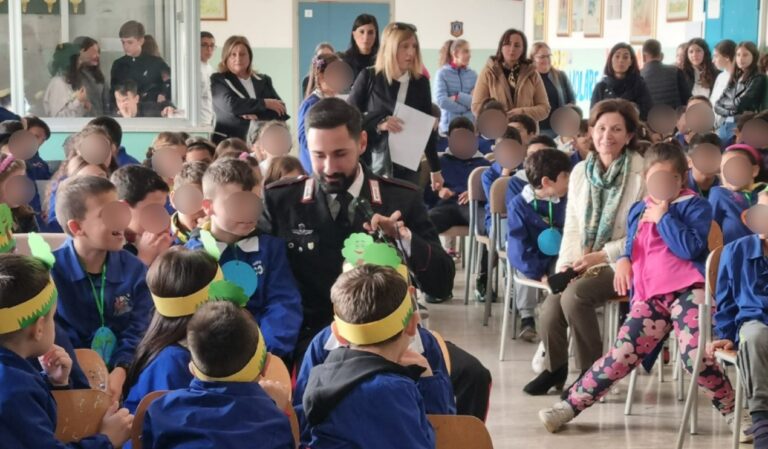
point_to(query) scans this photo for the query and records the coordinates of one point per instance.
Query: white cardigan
(578, 189)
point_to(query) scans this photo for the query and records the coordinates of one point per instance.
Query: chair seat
(619, 299)
(531, 283)
(502, 254)
(483, 239)
(729, 356)
(456, 231)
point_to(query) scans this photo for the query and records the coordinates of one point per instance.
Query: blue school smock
(77, 378)
(276, 303)
(695, 187)
(51, 224)
(169, 370)
(575, 158)
(525, 221)
(301, 131)
(37, 170)
(484, 145)
(123, 158)
(742, 287)
(127, 301)
(684, 228)
(28, 411)
(382, 411)
(216, 415)
(456, 171)
(727, 207)
(515, 186)
(317, 352)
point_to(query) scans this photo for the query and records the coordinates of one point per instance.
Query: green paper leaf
(7, 241)
(209, 243)
(354, 247)
(381, 254)
(40, 249)
(227, 291)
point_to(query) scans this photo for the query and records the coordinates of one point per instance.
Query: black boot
(546, 380)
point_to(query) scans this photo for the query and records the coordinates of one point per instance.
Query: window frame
(183, 38)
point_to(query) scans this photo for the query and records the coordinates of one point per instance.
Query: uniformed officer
(315, 214)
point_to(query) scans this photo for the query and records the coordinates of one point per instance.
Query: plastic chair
(138, 417)
(705, 330)
(498, 208)
(55, 240)
(459, 432)
(79, 413)
(275, 370)
(443, 349)
(512, 279)
(476, 213)
(93, 367)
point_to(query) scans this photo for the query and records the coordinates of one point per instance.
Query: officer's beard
(335, 183)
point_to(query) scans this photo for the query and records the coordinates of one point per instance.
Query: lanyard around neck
(536, 208)
(99, 299)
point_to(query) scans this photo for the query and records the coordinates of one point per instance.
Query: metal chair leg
(738, 410)
(470, 265)
(505, 313)
(631, 391)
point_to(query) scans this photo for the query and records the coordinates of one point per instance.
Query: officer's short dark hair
(330, 113)
(112, 127)
(548, 162)
(652, 48)
(222, 338)
(135, 182)
(528, 123)
(72, 195)
(461, 122)
(228, 171)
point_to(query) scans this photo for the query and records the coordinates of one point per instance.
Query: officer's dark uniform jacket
(297, 211)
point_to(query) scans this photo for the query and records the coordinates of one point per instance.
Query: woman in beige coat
(510, 78)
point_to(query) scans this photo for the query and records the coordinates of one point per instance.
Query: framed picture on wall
(563, 17)
(577, 16)
(642, 21)
(540, 16)
(593, 18)
(213, 9)
(678, 10)
(613, 10)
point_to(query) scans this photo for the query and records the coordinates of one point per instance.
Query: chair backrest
(93, 367)
(55, 240)
(491, 157)
(79, 413)
(276, 371)
(498, 200)
(475, 190)
(443, 349)
(460, 432)
(138, 417)
(715, 237)
(713, 264)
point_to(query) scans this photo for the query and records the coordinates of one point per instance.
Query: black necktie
(342, 217)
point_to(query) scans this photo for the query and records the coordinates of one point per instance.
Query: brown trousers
(575, 307)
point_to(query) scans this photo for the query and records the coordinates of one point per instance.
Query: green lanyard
(99, 299)
(536, 208)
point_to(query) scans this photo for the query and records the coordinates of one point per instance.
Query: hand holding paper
(407, 146)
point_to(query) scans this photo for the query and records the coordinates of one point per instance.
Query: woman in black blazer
(240, 95)
(376, 92)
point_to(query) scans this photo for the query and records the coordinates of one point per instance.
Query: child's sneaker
(746, 423)
(528, 330)
(554, 418)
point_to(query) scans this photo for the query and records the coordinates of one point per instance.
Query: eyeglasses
(404, 26)
(543, 57)
(208, 45)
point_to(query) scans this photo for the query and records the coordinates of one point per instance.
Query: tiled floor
(513, 417)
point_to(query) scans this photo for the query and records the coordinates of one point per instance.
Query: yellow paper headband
(185, 305)
(22, 315)
(248, 373)
(377, 331)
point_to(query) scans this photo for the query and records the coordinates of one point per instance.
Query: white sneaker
(537, 364)
(746, 423)
(554, 418)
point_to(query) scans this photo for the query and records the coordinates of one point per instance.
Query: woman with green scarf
(601, 191)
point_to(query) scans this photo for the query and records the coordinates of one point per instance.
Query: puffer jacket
(450, 81)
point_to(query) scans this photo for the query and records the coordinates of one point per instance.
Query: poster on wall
(213, 9)
(593, 18)
(642, 21)
(613, 10)
(563, 17)
(540, 20)
(678, 10)
(577, 15)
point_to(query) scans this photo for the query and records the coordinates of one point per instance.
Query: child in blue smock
(223, 406)
(189, 179)
(701, 148)
(535, 220)
(104, 303)
(740, 166)
(27, 409)
(377, 383)
(258, 263)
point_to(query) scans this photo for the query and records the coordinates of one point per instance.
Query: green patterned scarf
(605, 191)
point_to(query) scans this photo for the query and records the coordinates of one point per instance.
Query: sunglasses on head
(404, 26)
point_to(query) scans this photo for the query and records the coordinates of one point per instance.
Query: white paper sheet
(407, 146)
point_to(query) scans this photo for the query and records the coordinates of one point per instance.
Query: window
(72, 59)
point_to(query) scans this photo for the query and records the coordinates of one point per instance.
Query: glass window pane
(5, 70)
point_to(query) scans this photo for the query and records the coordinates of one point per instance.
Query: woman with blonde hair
(396, 78)
(511, 79)
(240, 94)
(556, 83)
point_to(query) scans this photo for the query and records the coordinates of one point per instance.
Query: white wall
(266, 23)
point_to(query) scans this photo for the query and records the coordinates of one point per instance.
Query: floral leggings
(646, 325)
